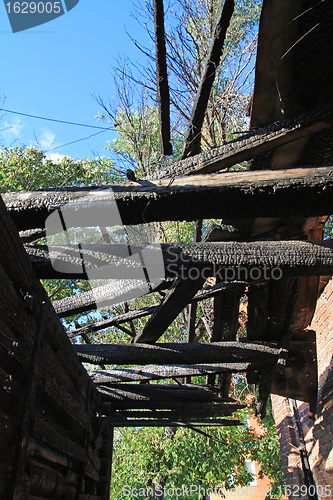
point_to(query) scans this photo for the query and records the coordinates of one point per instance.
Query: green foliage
(329, 227)
(152, 456)
(138, 138)
(28, 168)
(268, 454)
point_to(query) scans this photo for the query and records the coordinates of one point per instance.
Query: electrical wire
(78, 140)
(52, 119)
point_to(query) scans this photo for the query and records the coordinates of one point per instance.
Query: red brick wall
(318, 434)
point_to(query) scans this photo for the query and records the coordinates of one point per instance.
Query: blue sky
(53, 69)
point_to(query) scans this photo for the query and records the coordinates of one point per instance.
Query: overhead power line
(77, 140)
(53, 119)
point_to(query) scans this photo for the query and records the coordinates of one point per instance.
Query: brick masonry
(318, 433)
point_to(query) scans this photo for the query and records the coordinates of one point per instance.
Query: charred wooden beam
(254, 143)
(229, 261)
(304, 191)
(147, 372)
(176, 299)
(86, 301)
(104, 296)
(156, 393)
(107, 407)
(186, 410)
(192, 353)
(163, 95)
(215, 50)
(171, 423)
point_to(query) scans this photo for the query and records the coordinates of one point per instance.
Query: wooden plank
(147, 372)
(188, 354)
(257, 310)
(214, 54)
(14, 260)
(187, 411)
(171, 423)
(17, 486)
(235, 195)
(163, 95)
(254, 143)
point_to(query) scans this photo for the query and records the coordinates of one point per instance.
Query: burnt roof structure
(56, 419)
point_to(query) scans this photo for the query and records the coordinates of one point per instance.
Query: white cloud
(55, 157)
(46, 139)
(10, 130)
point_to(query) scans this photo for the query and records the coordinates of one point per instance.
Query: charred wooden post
(215, 50)
(17, 486)
(176, 299)
(257, 311)
(226, 313)
(163, 96)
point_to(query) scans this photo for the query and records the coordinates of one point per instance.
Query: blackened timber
(171, 423)
(175, 353)
(230, 261)
(162, 392)
(257, 310)
(107, 407)
(304, 191)
(185, 410)
(155, 393)
(176, 299)
(147, 372)
(226, 314)
(215, 50)
(104, 295)
(113, 321)
(70, 306)
(192, 307)
(254, 143)
(163, 95)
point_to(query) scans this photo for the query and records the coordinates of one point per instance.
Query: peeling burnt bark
(264, 259)
(104, 295)
(301, 191)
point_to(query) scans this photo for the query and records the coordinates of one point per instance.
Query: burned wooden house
(56, 418)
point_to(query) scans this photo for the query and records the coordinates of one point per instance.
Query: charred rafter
(233, 195)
